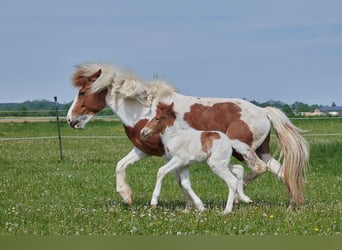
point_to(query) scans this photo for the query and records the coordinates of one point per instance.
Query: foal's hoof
(153, 206)
(247, 200)
(128, 201)
(227, 211)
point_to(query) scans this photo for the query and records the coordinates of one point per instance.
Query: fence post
(59, 131)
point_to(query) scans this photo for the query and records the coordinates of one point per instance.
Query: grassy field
(43, 195)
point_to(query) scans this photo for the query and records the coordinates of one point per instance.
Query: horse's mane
(121, 81)
(109, 75)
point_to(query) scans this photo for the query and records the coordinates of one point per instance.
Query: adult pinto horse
(134, 101)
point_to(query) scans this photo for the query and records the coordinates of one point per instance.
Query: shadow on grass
(209, 204)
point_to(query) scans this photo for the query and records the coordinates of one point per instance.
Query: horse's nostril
(73, 123)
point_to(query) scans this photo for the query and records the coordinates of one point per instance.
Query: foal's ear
(170, 108)
(94, 76)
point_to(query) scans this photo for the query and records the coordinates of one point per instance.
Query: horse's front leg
(121, 185)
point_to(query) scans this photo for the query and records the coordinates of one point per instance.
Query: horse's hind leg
(273, 165)
(257, 166)
(253, 161)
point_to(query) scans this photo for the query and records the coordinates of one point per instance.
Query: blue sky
(258, 50)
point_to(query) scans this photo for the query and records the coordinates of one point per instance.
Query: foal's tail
(295, 150)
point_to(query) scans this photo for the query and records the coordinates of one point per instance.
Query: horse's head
(165, 117)
(87, 102)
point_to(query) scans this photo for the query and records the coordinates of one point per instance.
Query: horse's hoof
(153, 206)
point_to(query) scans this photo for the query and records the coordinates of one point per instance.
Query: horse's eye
(81, 93)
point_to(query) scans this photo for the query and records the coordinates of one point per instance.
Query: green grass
(42, 195)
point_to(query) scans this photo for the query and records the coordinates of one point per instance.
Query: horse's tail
(295, 151)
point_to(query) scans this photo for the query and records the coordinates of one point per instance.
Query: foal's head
(87, 103)
(165, 117)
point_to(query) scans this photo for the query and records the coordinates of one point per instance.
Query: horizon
(270, 101)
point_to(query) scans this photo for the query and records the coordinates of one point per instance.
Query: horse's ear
(94, 76)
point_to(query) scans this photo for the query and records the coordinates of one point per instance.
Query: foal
(184, 145)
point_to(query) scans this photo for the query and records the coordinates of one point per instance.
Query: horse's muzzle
(73, 124)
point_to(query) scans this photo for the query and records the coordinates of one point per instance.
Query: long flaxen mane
(110, 75)
(122, 82)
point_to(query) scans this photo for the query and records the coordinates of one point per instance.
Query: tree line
(38, 108)
(48, 108)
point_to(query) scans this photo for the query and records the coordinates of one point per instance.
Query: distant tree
(287, 110)
(302, 107)
(333, 104)
(23, 111)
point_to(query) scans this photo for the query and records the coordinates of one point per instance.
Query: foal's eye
(81, 93)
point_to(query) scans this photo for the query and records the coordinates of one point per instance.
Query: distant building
(331, 110)
(317, 112)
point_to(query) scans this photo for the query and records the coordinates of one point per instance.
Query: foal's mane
(160, 88)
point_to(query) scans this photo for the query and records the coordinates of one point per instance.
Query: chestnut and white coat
(100, 85)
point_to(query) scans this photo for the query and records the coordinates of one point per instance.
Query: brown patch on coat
(151, 145)
(224, 117)
(207, 139)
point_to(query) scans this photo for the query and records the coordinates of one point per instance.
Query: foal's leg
(121, 185)
(238, 171)
(188, 199)
(220, 167)
(174, 163)
(186, 185)
(231, 182)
